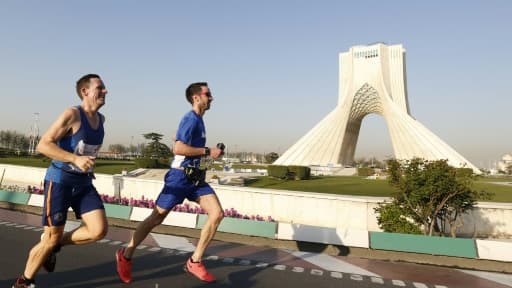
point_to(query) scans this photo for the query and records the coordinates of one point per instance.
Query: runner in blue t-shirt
(72, 142)
(185, 179)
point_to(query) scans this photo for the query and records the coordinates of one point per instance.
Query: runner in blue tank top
(72, 142)
(183, 180)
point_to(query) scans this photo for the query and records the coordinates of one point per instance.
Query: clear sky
(272, 66)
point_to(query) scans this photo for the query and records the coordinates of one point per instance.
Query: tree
(359, 162)
(371, 162)
(155, 149)
(5, 138)
(14, 141)
(271, 157)
(117, 148)
(431, 194)
(391, 219)
(132, 149)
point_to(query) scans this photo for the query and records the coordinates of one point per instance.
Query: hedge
(151, 163)
(277, 171)
(464, 172)
(365, 172)
(299, 172)
(289, 172)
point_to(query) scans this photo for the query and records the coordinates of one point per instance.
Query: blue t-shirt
(193, 133)
(86, 141)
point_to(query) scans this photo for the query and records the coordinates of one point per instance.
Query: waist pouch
(196, 175)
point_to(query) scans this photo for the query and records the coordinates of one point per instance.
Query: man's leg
(210, 203)
(144, 228)
(39, 253)
(124, 255)
(94, 227)
(167, 199)
(88, 206)
(57, 199)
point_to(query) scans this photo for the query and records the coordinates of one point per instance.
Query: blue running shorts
(59, 197)
(177, 187)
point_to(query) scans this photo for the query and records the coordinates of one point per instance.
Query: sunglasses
(207, 94)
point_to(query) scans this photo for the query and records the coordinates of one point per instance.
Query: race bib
(84, 149)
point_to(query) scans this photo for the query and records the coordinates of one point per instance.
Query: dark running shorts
(58, 198)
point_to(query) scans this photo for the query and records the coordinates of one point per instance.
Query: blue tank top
(85, 142)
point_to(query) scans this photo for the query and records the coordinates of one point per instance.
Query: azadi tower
(372, 80)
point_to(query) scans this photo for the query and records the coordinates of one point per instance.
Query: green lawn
(502, 193)
(32, 162)
(496, 179)
(343, 185)
(102, 166)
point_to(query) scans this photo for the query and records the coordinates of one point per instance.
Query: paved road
(159, 264)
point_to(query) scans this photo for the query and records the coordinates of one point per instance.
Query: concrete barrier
(489, 219)
(243, 226)
(14, 197)
(494, 250)
(118, 211)
(23, 174)
(346, 237)
(36, 200)
(181, 219)
(178, 219)
(423, 244)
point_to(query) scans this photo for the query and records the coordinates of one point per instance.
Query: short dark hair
(83, 81)
(193, 89)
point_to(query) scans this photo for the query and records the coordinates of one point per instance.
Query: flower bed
(186, 208)
(147, 203)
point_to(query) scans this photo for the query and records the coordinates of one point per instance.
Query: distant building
(231, 159)
(505, 162)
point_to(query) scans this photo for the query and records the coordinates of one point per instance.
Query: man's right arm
(60, 128)
(183, 149)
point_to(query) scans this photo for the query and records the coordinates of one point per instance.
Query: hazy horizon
(272, 67)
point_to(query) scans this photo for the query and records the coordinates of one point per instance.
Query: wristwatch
(206, 151)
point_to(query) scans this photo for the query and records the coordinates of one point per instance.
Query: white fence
(315, 209)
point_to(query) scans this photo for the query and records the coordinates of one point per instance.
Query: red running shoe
(124, 267)
(198, 270)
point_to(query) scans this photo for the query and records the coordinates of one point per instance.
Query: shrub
(146, 163)
(365, 171)
(164, 163)
(464, 172)
(300, 172)
(277, 171)
(432, 196)
(391, 219)
(151, 163)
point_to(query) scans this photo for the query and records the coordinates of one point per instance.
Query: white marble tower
(372, 80)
